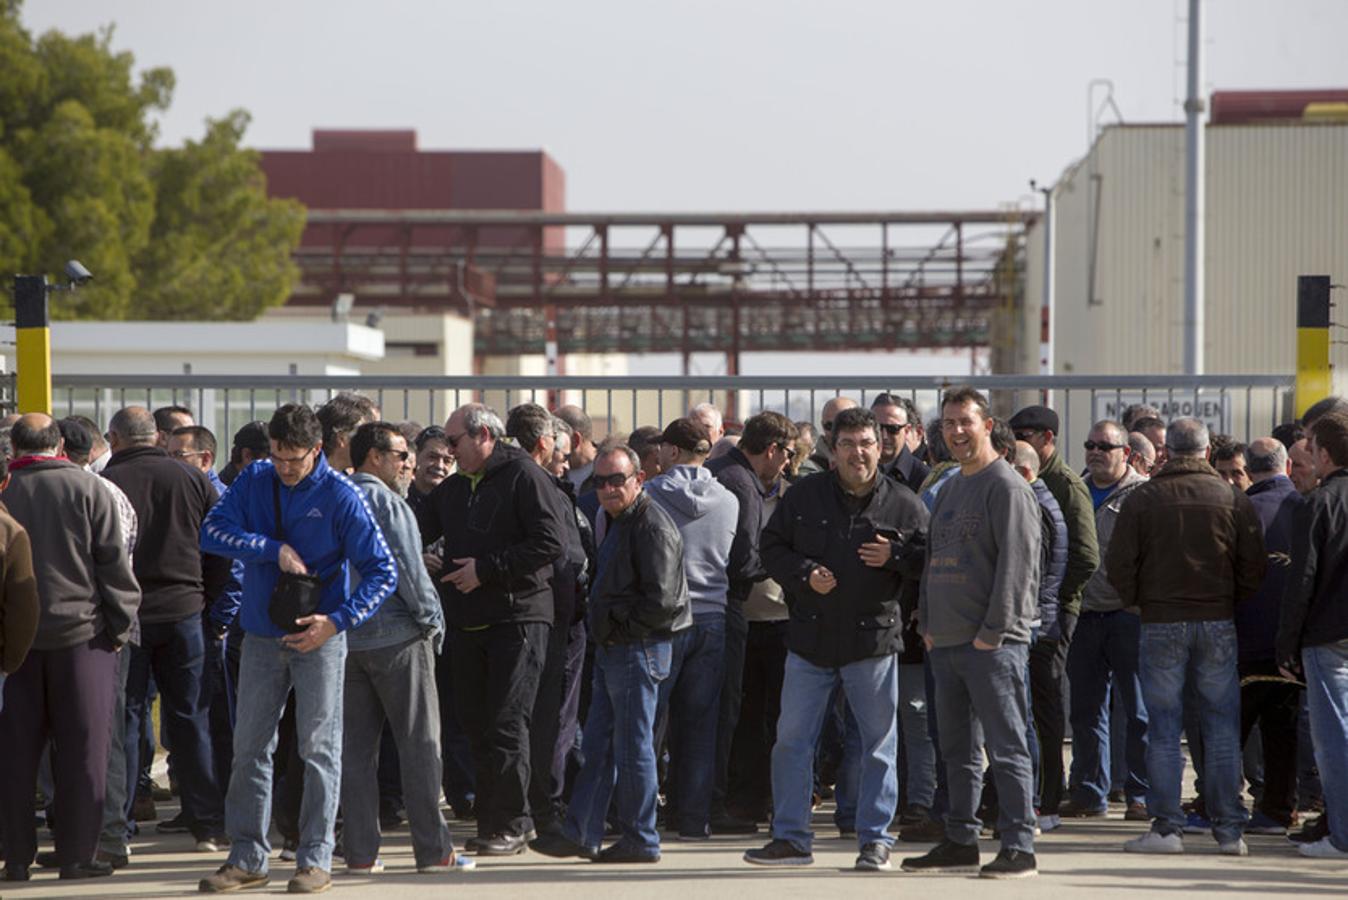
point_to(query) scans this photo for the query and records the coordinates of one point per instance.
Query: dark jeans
(116, 835)
(764, 666)
(1273, 705)
(1048, 672)
(496, 672)
(1103, 659)
(691, 696)
(65, 695)
(176, 653)
(457, 776)
(982, 702)
(566, 757)
(218, 706)
(732, 690)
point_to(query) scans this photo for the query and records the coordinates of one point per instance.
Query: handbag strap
(276, 504)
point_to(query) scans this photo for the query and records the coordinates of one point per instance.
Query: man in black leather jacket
(842, 544)
(639, 599)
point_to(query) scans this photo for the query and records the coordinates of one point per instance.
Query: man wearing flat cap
(705, 513)
(1038, 427)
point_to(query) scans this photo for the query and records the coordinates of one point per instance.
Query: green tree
(181, 233)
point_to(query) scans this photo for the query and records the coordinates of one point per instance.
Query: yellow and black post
(1314, 380)
(32, 344)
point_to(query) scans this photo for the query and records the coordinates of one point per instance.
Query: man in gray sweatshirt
(390, 673)
(978, 599)
(706, 514)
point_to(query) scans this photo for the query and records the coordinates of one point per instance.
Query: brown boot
(229, 878)
(309, 880)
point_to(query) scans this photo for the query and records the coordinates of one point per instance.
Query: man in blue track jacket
(327, 524)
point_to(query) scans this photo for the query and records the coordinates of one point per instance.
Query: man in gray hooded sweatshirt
(706, 514)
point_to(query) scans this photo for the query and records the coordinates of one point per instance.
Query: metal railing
(1245, 406)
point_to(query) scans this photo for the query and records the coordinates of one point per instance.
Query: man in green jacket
(1038, 427)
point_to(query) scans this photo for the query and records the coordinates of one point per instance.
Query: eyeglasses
(185, 454)
(616, 480)
(892, 429)
(848, 445)
(292, 460)
(401, 454)
(788, 450)
(1104, 446)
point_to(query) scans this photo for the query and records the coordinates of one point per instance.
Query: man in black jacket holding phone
(843, 544)
(639, 599)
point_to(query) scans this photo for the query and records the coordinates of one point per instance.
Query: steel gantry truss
(677, 282)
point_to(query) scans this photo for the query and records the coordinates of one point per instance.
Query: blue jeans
(267, 671)
(175, 652)
(619, 746)
(1205, 652)
(919, 755)
(691, 696)
(982, 700)
(1326, 668)
(1102, 663)
(871, 687)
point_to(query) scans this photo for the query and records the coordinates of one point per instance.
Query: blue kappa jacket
(327, 521)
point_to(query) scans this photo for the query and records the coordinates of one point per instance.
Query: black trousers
(66, 695)
(545, 726)
(496, 673)
(456, 775)
(1274, 706)
(1048, 674)
(732, 690)
(750, 791)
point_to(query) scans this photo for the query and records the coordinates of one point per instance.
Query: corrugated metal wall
(1277, 208)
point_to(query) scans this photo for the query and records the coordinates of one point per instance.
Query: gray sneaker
(229, 878)
(309, 880)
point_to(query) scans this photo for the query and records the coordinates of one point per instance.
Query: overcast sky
(719, 106)
(725, 105)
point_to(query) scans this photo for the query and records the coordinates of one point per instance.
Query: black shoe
(465, 810)
(1315, 830)
(1010, 864)
(179, 824)
(625, 853)
(560, 846)
(946, 856)
(502, 844)
(847, 831)
(48, 859)
(91, 869)
(914, 815)
(1073, 810)
(16, 873)
(928, 831)
(778, 852)
(390, 820)
(1117, 797)
(874, 857)
(116, 860)
(725, 823)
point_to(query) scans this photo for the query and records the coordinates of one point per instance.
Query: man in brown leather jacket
(1186, 548)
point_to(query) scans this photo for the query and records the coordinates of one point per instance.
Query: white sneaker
(1155, 842)
(373, 868)
(1050, 823)
(1238, 847)
(1322, 849)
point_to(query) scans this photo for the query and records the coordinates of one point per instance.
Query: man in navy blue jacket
(326, 525)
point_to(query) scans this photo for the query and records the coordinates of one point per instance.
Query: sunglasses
(401, 454)
(788, 450)
(1026, 434)
(1103, 446)
(892, 429)
(616, 480)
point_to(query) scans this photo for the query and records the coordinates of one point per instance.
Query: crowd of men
(579, 644)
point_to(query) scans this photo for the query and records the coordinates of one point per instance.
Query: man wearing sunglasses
(390, 674)
(1103, 660)
(896, 459)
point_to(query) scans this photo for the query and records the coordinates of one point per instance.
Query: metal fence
(1245, 406)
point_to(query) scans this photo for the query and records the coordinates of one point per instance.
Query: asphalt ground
(1084, 858)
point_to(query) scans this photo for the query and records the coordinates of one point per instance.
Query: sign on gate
(1212, 408)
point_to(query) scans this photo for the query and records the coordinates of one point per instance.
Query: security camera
(77, 273)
